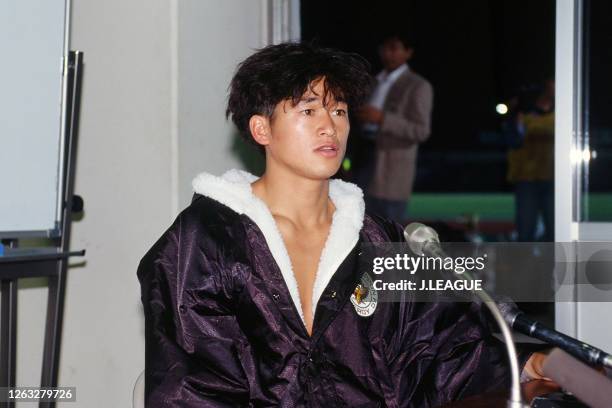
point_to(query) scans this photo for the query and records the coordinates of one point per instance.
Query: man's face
(393, 54)
(310, 137)
(549, 88)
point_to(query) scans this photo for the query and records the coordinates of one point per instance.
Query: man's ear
(259, 126)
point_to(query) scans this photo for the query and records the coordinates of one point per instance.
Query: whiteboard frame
(55, 232)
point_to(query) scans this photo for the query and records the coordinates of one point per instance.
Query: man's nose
(327, 126)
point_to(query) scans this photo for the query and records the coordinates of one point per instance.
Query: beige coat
(406, 123)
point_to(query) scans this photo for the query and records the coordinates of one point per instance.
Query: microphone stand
(420, 237)
(516, 399)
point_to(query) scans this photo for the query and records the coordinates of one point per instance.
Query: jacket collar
(393, 75)
(233, 189)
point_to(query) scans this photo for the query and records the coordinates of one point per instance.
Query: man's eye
(340, 112)
(308, 112)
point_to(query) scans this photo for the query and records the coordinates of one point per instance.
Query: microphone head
(417, 235)
(507, 308)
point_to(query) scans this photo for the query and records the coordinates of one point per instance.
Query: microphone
(423, 240)
(520, 322)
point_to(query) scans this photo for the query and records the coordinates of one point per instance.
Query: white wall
(213, 36)
(156, 75)
(124, 176)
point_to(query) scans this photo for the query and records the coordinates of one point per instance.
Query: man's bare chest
(305, 258)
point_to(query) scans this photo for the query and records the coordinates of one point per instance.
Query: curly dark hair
(285, 71)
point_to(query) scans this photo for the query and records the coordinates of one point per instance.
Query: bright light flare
(501, 108)
(578, 156)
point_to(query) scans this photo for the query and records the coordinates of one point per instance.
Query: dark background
(475, 53)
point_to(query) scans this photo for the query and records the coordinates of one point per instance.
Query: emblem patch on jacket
(365, 297)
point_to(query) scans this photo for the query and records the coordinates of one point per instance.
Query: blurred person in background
(530, 134)
(395, 120)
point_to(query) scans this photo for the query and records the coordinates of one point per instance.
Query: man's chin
(322, 172)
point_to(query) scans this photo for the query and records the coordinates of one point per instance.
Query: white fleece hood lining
(233, 189)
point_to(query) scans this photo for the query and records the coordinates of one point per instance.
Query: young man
(249, 297)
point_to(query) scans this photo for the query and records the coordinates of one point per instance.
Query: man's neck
(389, 71)
(305, 202)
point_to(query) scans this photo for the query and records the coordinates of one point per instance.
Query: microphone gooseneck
(423, 240)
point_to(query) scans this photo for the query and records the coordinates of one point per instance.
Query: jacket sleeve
(445, 351)
(413, 122)
(190, 346)
(448, 354)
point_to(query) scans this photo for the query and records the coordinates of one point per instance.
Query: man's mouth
(328, 148)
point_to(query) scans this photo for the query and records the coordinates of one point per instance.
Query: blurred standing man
(398, 118)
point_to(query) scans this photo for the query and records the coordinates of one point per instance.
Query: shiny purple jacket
(224, 326)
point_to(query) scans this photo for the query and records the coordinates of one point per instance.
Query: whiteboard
(32, 41)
